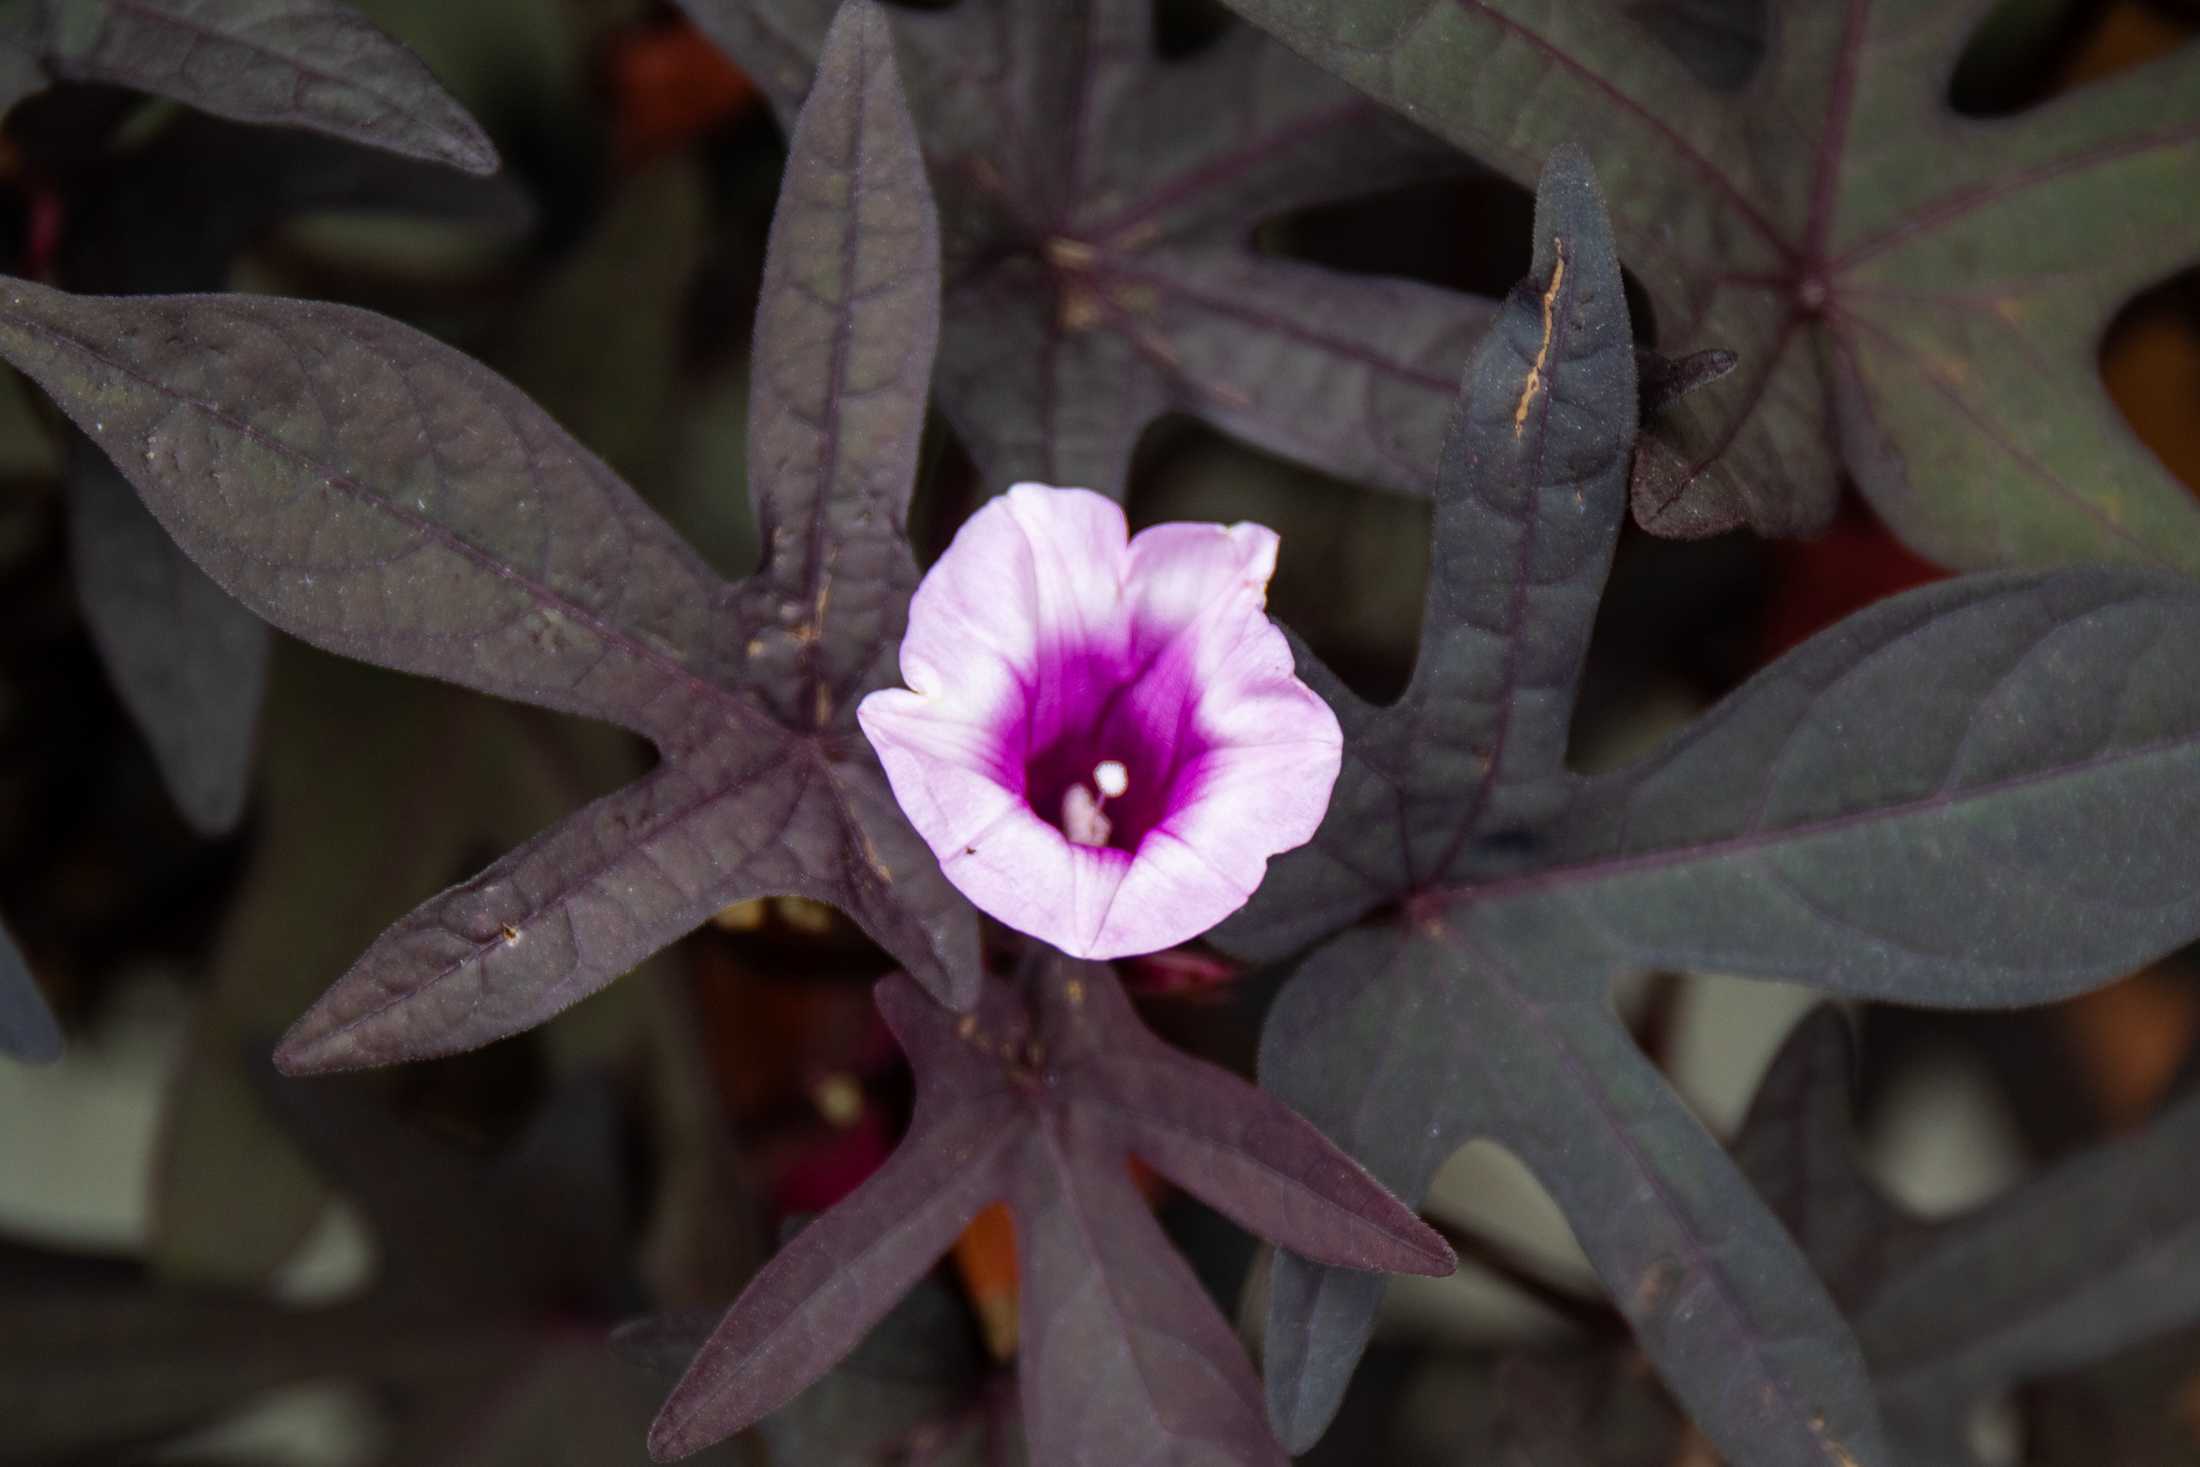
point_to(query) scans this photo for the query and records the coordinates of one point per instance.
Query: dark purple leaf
(2090, 1257)
(919, 1388)
(316, 64)
(381, 495)
(1916, 297)
(27, 1027)
(1100, 206)
(1978, 794)
(188, 662)
(1981, 793)
(1040, 1098)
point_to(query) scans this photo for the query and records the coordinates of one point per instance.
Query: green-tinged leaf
(188, 662)
(302, 63)
(1099, 206)
(383, 496)
(27, 1027)
(1461, 1031)
(1916, 297)
(1981, 793)
(1986, 793)
(2092, 1256)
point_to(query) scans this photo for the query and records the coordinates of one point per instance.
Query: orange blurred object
(2153, 371)
(669, 86)
(2128, 34)
(2152, 366)
(2131, 1039)
(985, 1256)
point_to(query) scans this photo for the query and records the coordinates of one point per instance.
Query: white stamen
(1110, 778)
(1082, 821)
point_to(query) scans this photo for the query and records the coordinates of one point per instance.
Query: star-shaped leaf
(383, 496)
(1984, 792)
(301, 63)
(2093, 1255)
(27, 1027)
(919, 1388)
(1917, 298)
(1100, 205)
(1040, 1098)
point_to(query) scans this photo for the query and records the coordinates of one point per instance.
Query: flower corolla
(1102, 737)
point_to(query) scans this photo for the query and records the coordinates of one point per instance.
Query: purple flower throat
(1108, 749)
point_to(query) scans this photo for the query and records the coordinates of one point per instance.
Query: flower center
(1118, 762)
(1081, 819)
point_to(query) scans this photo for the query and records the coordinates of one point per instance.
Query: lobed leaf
(1040, 1098)
(1981, 793)
(1977, 793)
(383, 496)
(1461, 1031)
(1100, 206)
(27, 1027)
(1916, 297)
(316, 64)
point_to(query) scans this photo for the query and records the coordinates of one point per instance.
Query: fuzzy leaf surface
(1040, 1098)
(2096, 1254)
(315, 64)
(383, 496)
(1916, 297)
(1099, 205)
(27, 1027)
(1982, 793)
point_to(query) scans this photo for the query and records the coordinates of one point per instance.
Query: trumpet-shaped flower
(1102, 738)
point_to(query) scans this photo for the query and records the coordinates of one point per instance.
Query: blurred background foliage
(203, 1263)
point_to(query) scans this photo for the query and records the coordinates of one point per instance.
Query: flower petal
(1044, 621)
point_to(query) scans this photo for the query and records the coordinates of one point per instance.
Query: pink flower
(1102, 739)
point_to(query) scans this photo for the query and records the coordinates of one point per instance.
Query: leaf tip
(317, 1045)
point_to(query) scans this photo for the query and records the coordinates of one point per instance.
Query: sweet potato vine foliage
(377, 493)
(1099, 205)
(1979, 793)
(1984, 793)
(1916, 297)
